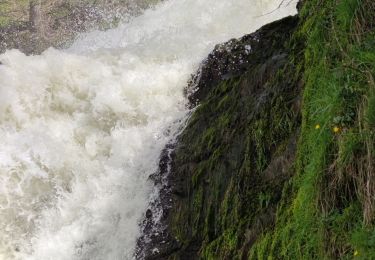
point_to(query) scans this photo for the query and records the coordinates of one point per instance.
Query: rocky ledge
(277, 158)
(220, 183)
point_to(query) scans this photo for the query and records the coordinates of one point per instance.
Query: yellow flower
(336, 129)
(356, 253)
(317, 126)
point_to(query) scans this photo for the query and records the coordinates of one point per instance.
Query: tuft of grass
(370, 111)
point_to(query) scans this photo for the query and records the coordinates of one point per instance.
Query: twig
(278, 7)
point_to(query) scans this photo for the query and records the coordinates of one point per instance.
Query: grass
(11, 12)
(329, 210)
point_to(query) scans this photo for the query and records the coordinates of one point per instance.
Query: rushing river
(82, 129)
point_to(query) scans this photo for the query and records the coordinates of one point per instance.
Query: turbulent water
(81, 130)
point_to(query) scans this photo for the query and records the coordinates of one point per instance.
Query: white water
(82, 129)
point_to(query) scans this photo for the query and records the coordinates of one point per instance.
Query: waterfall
(82, 129)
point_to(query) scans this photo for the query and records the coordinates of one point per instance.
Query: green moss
(229, 142)
(249, 193)
(4, 21)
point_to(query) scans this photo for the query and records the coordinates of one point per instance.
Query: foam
(81, 129)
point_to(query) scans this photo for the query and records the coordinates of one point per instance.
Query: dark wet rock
(149, 213)
(233, 58)
(221, 183)
(156, 241)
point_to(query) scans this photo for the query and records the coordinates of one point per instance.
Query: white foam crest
(81, 130)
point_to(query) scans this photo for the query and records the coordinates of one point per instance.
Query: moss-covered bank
(277, 161)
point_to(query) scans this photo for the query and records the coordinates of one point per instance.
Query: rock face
(277, 159)
(230, 163)
(237, 151)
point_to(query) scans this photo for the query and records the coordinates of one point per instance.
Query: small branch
(278, 7)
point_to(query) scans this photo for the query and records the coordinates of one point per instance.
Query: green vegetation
(249, 193)
(278, 162)
(238, 137)
(329, 209)
(12, 11)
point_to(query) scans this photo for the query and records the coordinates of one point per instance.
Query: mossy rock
(278, 159)
(237, 151)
